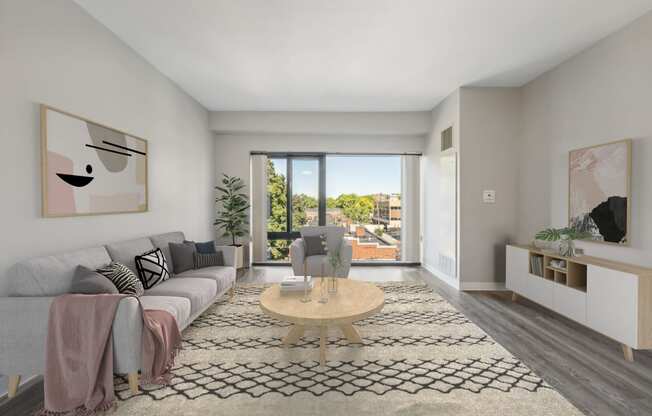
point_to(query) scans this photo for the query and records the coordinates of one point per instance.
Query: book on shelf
(536, 265)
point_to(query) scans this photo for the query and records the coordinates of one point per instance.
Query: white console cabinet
(612, 298)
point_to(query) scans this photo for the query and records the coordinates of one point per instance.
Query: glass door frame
(321, 209)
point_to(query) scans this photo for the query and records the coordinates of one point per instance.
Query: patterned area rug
(420, 356)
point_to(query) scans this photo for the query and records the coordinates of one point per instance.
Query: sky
(361, 175)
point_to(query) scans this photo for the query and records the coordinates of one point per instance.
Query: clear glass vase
(332, 285)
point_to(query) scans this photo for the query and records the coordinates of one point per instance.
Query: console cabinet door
(517, 268)
(612, 304)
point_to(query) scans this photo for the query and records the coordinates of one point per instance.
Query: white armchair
(335, 242)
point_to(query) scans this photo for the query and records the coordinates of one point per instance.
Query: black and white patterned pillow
(152, 268)
(124, 279)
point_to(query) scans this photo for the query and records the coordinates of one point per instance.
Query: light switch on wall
(489, 196)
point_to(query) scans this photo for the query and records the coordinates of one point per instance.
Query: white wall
(443, 116)
(327, 123)
(603, 94)
(52, 52)
(488, 160)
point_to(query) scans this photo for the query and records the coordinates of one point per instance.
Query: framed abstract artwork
(600, 191)
(90, 169)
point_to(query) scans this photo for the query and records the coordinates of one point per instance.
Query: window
(361, 193)
(364, 196)
(294, 186)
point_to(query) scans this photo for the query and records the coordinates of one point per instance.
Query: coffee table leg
(293, 336)
(351, 334)
(323, 338)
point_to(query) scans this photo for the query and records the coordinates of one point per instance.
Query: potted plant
(565, 236)
(232, 218)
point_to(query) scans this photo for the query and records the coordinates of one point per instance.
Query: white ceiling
(355, 55)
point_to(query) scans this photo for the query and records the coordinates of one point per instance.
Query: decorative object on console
(565, 236)
(600, 191)
(90, 282)
(152, 268)
(123, 278)
(208, 260)
(90, 169)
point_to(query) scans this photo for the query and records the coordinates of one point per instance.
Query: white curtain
(410, 203)
(259, 207)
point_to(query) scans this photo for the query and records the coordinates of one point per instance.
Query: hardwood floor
(584, 366)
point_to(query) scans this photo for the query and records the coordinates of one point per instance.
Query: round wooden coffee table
(353, 301)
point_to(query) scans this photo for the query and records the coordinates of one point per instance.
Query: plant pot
(239, 256)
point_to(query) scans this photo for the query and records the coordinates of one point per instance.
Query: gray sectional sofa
(31, 285)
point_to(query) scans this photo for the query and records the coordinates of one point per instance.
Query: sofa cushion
(177, 306)
(200, 291)
(162, 241)
(124, 279)
(52, 275)
(125, 252)
(90, 282)
(152, 268)
(203, 260)
(224, 276)
(183, 256)
(207, 247)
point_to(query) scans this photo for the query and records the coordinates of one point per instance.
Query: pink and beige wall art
(599, 191)
(90, 169)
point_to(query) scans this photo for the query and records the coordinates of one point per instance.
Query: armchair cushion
(316, 245)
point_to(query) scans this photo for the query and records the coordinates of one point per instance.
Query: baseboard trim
(483, 286)
(446, 279)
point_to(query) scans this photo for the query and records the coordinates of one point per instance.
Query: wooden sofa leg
(628, 353)
(514, 297)
(133, 382)
(14, 382)
(232, 293)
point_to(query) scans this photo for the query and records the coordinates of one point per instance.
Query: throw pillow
(152, 268)
(208, 260)
(183, 256)
(206, 248)
(315, 245)
(123, 278)
(90, 282)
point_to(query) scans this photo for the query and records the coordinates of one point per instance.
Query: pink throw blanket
(79, 354)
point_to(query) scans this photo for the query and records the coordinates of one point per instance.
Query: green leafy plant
(556, 234)
(335, 261)
(232, 218)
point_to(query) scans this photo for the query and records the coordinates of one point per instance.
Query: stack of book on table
(295, 284)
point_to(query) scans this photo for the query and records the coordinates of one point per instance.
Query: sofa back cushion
(52, 275)
(125, 252)
(162, 241)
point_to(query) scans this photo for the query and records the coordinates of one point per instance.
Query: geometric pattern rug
(419, 356)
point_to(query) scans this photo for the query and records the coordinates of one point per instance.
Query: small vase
(567, 247)
(323, 290)
(332, 285)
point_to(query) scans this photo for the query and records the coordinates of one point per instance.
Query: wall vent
(447, 139)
